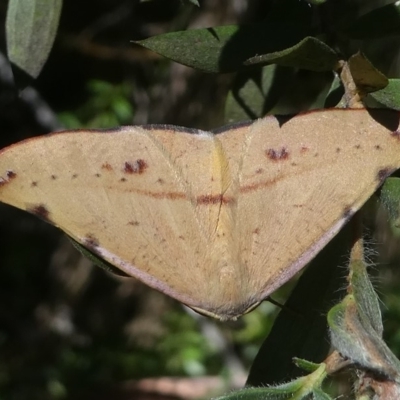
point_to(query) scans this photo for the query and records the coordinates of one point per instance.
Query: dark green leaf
(31, 27)
(225, 48)
(256, 92)
(383, 21)
(335, 93)
(276, 90)
(310, 53)
(389, 96)
(300, 328)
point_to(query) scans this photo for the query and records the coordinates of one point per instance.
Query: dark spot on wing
(304, 149)
(97, 175)
(9, 176)
(34, 184)
(133, 223)
(259, 171)
(53, 177)
(107, 166)
(383, 174)
(396, 134)
(122, 180)
(213, 199)
(277, 155)
(91, 242)
(378, 147)
(338, 149)
(74, 176)
(137, 167)
(40, 211)
(348, 212)
(357, 146)
(160, 181)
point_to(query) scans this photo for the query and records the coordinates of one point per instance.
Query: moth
(217, 220)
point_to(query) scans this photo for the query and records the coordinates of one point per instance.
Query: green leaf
(355, 339)
(281, 392)
(305, 365)
(366, 77)
(298, 389)
(390, 200)
(389, 96)
(256, 92)
(225, 48)
(300, 328)
(31, 27)
(335, 93)
(381, 22)
(318, 394)
(364, 294)
(310, 53)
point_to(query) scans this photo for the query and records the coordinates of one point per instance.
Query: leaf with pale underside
(31, 27)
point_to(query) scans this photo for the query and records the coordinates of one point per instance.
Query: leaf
(281, 392)
(381, 22)
(390, 200)
(355, 339)
(300, 328)
(366, 77)
(389, 96)
(255, 92)
(364, 294)
(31, 27)
(305, 365)
(318, 394)
(310, 53)
(276, 90)
(335, 93)
(298, 389)
(224, 48)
